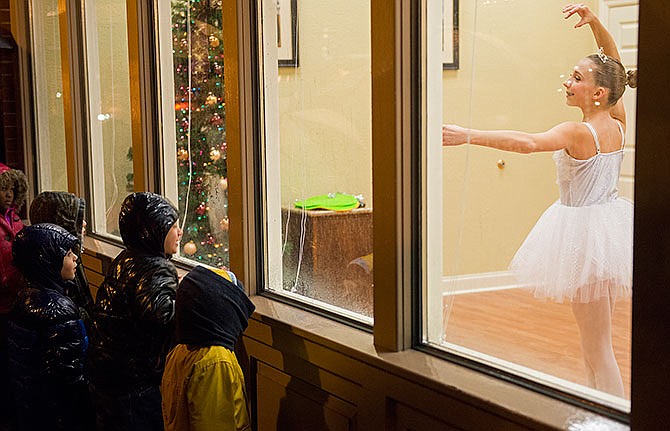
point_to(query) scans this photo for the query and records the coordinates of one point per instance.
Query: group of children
(150, 353)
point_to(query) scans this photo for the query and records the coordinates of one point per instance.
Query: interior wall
(325, 117)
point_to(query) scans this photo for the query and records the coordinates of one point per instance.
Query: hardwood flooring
(514, 326)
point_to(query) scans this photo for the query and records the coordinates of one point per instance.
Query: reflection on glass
(109, 109)
(200, 130)
(317, 131)
(561, 312)
(47, 78)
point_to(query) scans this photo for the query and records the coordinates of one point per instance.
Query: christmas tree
(200, 116)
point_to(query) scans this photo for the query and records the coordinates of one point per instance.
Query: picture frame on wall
(287, 33)
(450, 34)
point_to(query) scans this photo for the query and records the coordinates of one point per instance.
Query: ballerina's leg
(594, 320)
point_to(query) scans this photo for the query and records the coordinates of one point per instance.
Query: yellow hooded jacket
(203, 385)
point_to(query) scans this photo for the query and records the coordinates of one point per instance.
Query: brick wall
(11, 142)
(4, 14)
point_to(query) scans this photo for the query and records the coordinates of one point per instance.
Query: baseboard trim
(479, 282)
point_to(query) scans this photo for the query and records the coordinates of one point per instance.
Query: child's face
(69, 266)
(171, 243)
(6, 198)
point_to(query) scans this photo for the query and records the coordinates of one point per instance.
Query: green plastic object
(331, 201)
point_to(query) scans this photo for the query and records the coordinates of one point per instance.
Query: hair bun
(631, 78)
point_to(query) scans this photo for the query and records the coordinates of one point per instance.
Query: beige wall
(325, 103)
(521, 49)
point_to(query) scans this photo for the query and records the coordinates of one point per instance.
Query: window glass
(316, 131)
(48, 87)
(109, 110)
(194, 125)
(527, 279)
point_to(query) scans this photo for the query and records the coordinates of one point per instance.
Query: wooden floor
(514, 326)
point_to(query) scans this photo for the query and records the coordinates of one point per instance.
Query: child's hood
(61, 208)
(210, 309)
(145, 220)
(19, 181)
(39, 250)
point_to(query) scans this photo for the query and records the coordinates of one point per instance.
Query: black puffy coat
(134, 308)
(47, 339)
(67, 211)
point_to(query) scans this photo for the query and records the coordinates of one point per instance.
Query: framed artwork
(449, 34)
(287, 33)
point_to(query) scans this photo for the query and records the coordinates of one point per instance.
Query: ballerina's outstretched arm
(602, 36)
(603, 39)
(512, 140)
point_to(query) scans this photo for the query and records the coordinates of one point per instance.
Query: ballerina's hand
(453, 135)
(580, 9)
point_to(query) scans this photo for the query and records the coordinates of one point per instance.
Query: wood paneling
(289, 403)
(409, 419)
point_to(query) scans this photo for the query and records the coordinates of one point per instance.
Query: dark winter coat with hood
(47, 339)
(134, 308)
(10, 225)
(67, 211)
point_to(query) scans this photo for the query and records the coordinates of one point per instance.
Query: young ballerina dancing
(580, 250)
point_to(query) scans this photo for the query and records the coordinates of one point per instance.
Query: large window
(48, 90)
(316, 132)
(483, 202)
(194, 125)
(109, 110)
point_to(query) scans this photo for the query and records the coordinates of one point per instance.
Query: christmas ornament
(216, 120)
(223, 184)
(214, 41)
(224, 224)
(215, 154)
(182, 154)
(190, 248)
(211, 99)
(201, 209)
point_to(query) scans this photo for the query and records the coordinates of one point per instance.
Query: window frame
(395, 250)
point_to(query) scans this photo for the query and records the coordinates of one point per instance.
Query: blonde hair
(612, 75)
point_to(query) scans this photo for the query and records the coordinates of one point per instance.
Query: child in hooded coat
(67, 211)
(133, 317)
(203, 385)
(13, 188)
(47, 338)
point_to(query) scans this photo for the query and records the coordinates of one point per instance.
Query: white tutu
(580, 253)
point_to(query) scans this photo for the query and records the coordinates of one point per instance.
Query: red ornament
(201, 209)
(216, 120)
